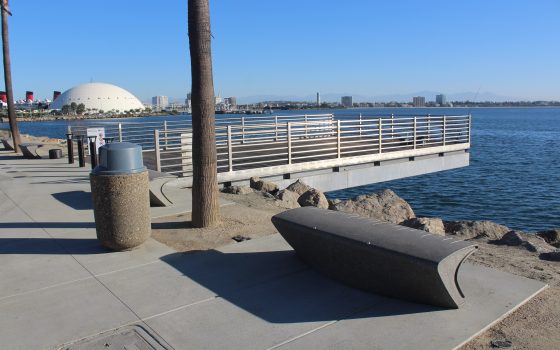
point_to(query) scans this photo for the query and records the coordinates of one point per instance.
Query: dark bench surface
(8, 145)
(29, 150)
(377, 256)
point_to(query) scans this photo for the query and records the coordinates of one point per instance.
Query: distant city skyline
(506, 49)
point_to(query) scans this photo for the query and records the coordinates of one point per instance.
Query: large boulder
(551, 256)
(512, 238)
(530, 242)
(476, 229)
(551, 237)
(333, 203)
(287, 199)
(431, 225)
(537, 243)
(264, 186)
(384, 205)
(238, 190)
(314, 198)
(299, 187)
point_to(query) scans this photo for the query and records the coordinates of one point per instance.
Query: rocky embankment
(388, 206)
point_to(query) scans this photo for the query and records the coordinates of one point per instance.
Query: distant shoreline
(4, 119)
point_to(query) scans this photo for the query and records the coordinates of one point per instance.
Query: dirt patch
(535, 325)
(249, 218)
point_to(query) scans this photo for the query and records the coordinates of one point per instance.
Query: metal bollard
(81, 152)
(70, 144)
(93, 151)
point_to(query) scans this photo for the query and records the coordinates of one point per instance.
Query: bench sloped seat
(8, 146)
(157, 181)
(29, 150)
(376, 256)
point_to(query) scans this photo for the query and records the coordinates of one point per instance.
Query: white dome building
(99, 97)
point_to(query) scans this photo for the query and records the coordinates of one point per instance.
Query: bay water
(513, 178)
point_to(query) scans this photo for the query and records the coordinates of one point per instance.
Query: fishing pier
(326, 151)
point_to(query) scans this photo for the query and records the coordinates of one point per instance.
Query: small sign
(100, 139)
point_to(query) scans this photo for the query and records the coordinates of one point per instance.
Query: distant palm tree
(8, 76)
(205, 208)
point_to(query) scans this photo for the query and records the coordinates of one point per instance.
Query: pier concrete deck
(60, 289)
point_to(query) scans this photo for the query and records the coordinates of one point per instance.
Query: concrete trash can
(121, 197)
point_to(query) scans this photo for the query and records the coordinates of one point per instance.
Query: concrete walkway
(60, 289)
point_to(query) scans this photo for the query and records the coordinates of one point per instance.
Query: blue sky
(289, 47)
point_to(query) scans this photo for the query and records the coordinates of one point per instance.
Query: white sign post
(100, 136)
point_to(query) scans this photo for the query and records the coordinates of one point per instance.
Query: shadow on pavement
(278, 288)
(47, 225)
(78, 200)
(51, 246)
(172, 225)
(76, 180)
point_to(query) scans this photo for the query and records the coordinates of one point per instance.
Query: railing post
(242, 129)
(120, 132)
(392, 125)
(444, 125)
(470, 126)
(230, 149)
(289, 126)
(414, 131)
(338, 150)
(165, 134)
(380, 134)
(429, 138)
(276, 128)
(305, 120)
(156, 149)
(360, 125)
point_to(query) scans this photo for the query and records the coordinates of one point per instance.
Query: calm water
(513, 179)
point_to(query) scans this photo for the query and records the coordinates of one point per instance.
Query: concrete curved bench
(29, 150)
(8, 145)
(157, 181)
(379, 257)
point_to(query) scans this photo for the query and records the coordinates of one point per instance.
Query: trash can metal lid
(119, 158)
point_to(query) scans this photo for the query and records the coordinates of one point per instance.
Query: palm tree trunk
(8, 77)
(205, 208)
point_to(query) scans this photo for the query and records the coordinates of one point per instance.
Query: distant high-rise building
(318, 99)
(441, 99)
(346, 101)
(218, 99)
(188, 100)
(419, 101)
(232, 101)
(160, 102)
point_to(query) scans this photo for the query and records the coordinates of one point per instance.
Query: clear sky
(292, 47)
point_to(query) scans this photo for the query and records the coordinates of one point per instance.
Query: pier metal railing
(142, 133)
(272, 143)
